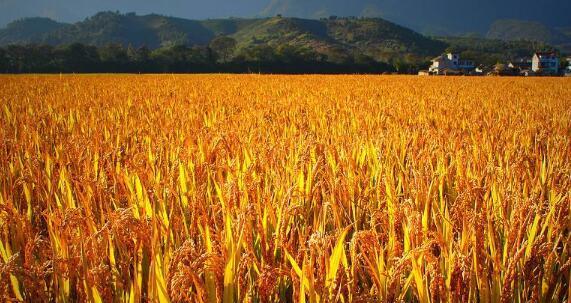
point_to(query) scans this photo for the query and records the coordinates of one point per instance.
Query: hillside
(338, 39)
(490, 51)
(513, 30)
(333, 37)
(373, 37)
(28, 30)
(437, 17)
(152, 30)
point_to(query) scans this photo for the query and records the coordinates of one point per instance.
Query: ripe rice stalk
(250, 188)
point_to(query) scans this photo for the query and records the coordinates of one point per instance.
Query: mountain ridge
(436, 17)
(514, 30)
(374, 37)
(338, 39)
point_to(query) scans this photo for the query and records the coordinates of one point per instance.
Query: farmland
(249, 188)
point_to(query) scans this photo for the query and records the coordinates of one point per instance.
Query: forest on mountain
(115, 42)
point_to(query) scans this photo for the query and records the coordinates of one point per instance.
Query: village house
(546, 63)
(450, 64)
(521, 64)
(501, 69)
(482, 70)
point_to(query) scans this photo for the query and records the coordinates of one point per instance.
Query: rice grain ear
(217, 188)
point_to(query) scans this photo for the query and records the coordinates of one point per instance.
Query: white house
(545, 63)
(450, 62)
(482, 69)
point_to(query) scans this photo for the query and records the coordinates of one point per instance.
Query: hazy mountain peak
(510, 29)
(437, 15)
(29, 30)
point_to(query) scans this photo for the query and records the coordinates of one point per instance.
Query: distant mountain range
(513, 30)
(484, 18)
(374, 37)
(337, 38)
(435, 17)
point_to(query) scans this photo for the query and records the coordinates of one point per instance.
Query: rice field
(249, 188)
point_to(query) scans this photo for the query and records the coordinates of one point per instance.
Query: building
(482, 70)
(520, 64)
(546, 63)
(501, 69)
(450, 62)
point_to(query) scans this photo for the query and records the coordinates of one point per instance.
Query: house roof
(521, 61)
(545, 54)
(520, 64)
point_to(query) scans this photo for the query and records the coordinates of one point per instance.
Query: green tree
(223, 46)
(564, 63)
(28, 58)
(259, 53)
(77, 58)
(3, 61)
(139, 59)
(113, 54)
(362, 59)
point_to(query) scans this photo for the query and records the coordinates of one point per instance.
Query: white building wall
(535, 63)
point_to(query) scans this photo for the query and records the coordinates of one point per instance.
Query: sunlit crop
(257, 188)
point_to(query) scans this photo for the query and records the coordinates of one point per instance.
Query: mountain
(513, 30)
(340, 37)
(105, 28)
(28, 30)
(335, 37)
(151, 30)
(76, 10)
(433, 17)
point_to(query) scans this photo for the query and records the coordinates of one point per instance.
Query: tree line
(221, 55)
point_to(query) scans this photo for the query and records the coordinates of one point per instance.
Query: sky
(451, 15)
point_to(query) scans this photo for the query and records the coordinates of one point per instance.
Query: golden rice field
(219, 188)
